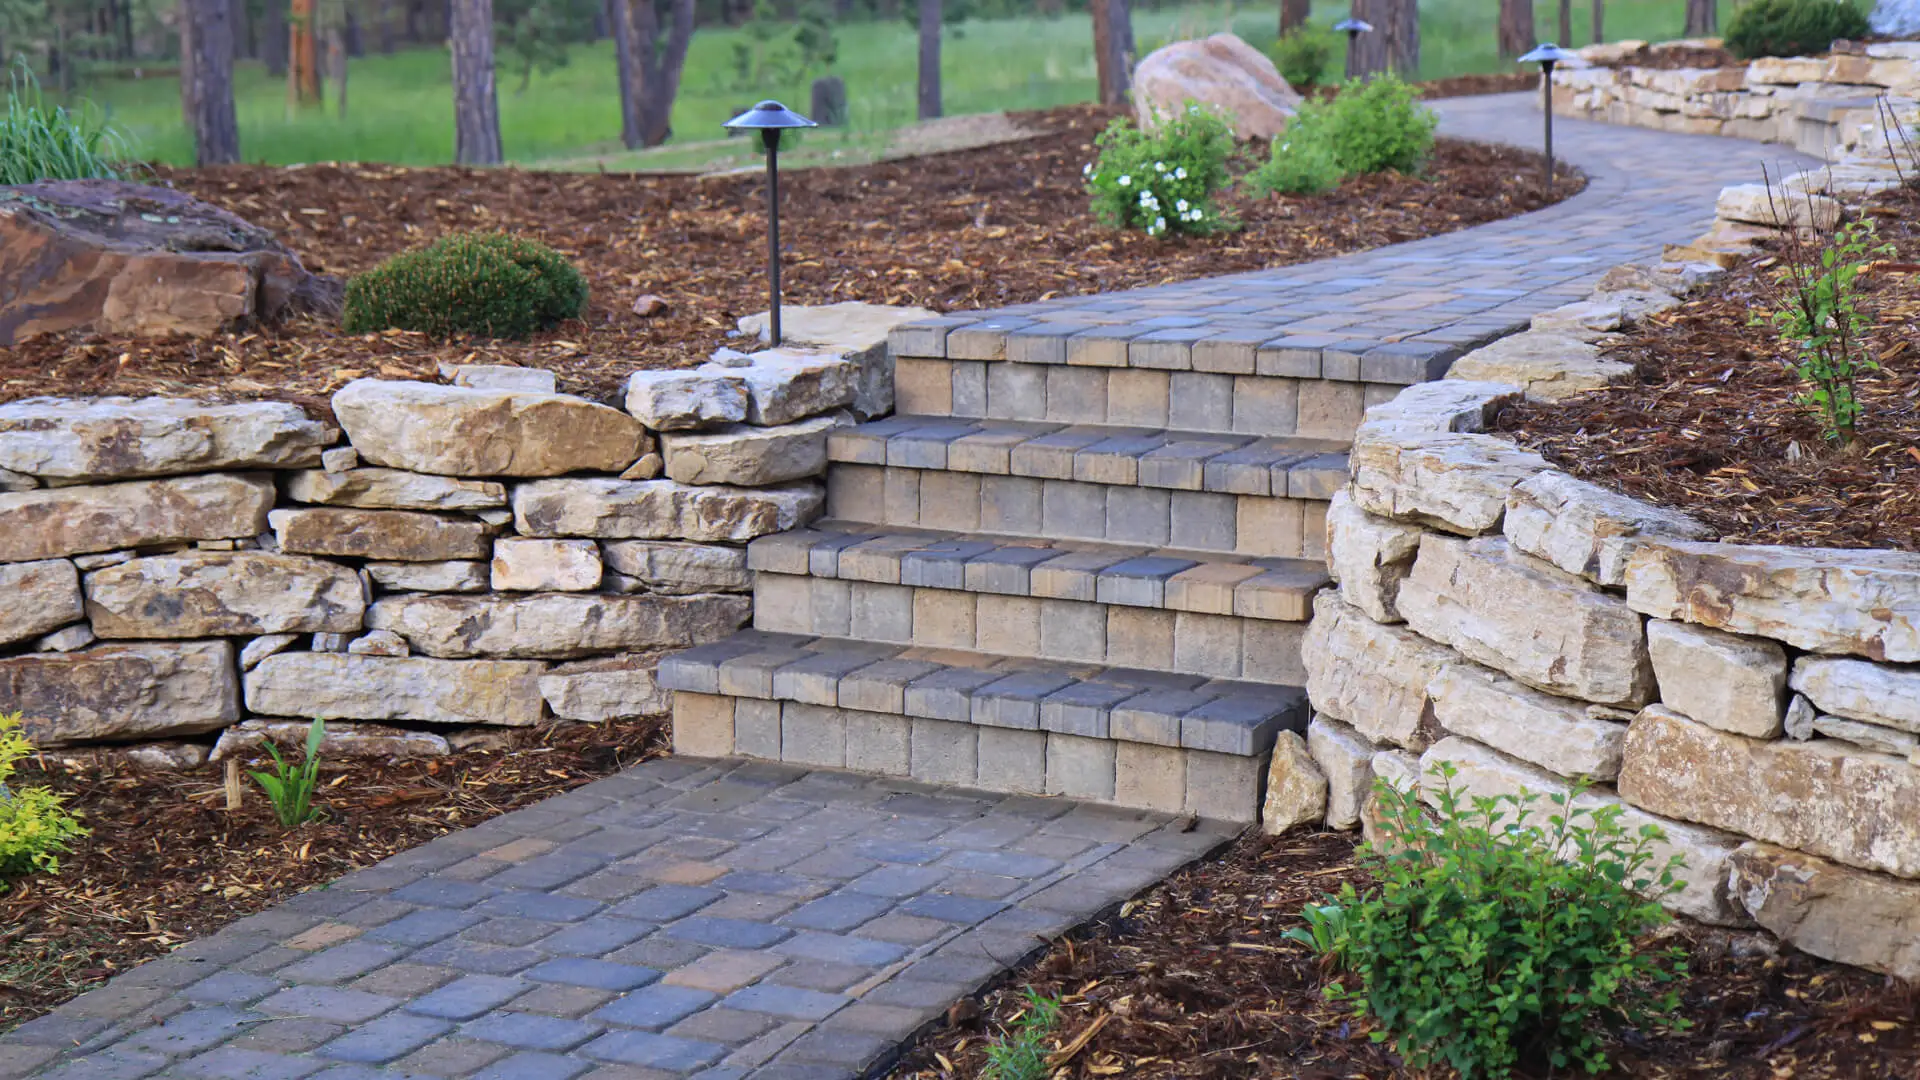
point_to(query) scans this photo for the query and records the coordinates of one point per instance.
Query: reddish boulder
(124, 258)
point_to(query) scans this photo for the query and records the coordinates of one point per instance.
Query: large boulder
(80, 439)
(456, 431)
(122, 258)
(1221, 71)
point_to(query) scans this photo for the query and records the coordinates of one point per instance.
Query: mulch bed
(971, 229)
(167, 862)
(1195, 980)
(1709, 425)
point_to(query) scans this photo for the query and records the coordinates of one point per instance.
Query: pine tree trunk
(243, 44)
(663, 67)
(476, 109)
(303, 55)
(1703, 19)
(1566, 24)
(1367, 53)
(1294, 14)
(1119, 52)
(1516, 33)
(620, 25)
(337, 66)
(207, 51)
(273, 37)
(930, 58)
(1599, 28)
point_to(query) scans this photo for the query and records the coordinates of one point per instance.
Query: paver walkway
(731, 919)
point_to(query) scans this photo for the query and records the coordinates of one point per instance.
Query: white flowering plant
(1165, 180)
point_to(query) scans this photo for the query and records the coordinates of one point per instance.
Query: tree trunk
(653, 68)
(189, 102)
(337, 66)
(1566, 24)
(243, 43)
(1367, 53)
(303, 55)
(930, 58)
(1403, 38)
(1294, 14)
(206, 43)
(476, 109)
(620, 25)
(1516, 33)
(1702, 18)
(273, 37)
(1120, 51)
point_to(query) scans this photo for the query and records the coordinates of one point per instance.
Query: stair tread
(1228, 716)
(1214, 583)
(1278, 466)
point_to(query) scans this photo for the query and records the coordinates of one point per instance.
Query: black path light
(770, 118)
(1547, 55)
(1353, 28)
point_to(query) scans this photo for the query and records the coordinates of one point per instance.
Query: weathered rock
(340, 459)
(1484, 772)
(501, 377)
(1858, 690)
(556, 626)
(113, 692)
(223, 594)
(791, 383)
(1801, 716)
(649, 467)
(1540, 625)
(853, 330)
(1373, 677)
(1547, 365)
(524, 565)
(66, 639)
(330, 643)
(454, 431)
(1220, 72)
(1723, 680)
(394, 535)
(1880, 740)
(1582, 319)
(686, 400)
(1829, 910)
(141, 757)
(379, 643)
(348, 687)
(609, 688)
(1862, 602)
(677, 569)
(1680, 279)
(1825, 797)
(117, 257)
(264, 646)
(1455, 481)
(93, 439)
(52, 522)
(96, 562)
(750, 456)
(660, 509)
(393, 489)
(13, 481)
(1399, 770)
(1585, 529)
(1345, 758)
(41, 596)
(1443, 405)
(1554, 733)
(1754, 204)
(447, 577)
(1369, 556)
(350, 742)
(1296, 788)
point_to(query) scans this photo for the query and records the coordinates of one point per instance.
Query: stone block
(679, 569)
(46, 596)
(1224, 787)
(1297, 789)
(454, 576)
(1372, 676)
(944, 752)
(1369, 556)
(1008, 625)
(1587, 530)
(80, 440)
(749, 456)
(555, 626)
(122, 692)
(248, 739)
(356, 687)
(1150, 777)
(879, 743)
(1549, 366)
(455, 431)
(813, 735)
(1269, 527)
(1829, 910)
(1263, 406)
(679, 400)
(922, 387)
(47, 523)
(1756, 204)
(1555, 733)
(1456, 482)
(943, 620)
(1345, 758)
(756, 728)
(1200, 402)
(1206, 644)
(390, 535)
(606, 688)
(526, 565)
(1723, 680)
(1013, 761)
(1858, 690)
(660, 509)
(1080, 768)
(393, 489)
(1137, 397)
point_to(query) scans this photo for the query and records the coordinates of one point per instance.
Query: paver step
(1144, 739)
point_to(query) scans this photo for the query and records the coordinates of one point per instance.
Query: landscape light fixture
(770, 118)
(1547, 55)
(1354, 28)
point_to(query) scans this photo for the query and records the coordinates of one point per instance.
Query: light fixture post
(1354, 28)
(770, 118)
(1547, 55)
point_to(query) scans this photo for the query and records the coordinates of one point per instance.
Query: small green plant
(1368, 127)
(290, 788)
(1792, 27)
(35, 826)
(1496, 936)
(1816, 310)
(1163, 180)
(1020, 1053)
(1301, 55)
(1300, 165)
(488, 284)
(39, 141)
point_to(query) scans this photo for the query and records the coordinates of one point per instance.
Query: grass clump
(1792, 27)
(289, 787)
(1020, 1052)
(39, 141)
(1163, 180)
(35, 826)
(486, 284)
(1370, 126)
(1498, 934)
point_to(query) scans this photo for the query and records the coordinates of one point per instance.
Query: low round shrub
(1162, 180)
(1792, 27)
(486, 284)
(1370, 126)
(1301, 55)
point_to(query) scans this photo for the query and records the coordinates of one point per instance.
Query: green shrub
(1301, 55)
(1299, 166)
(1164, 180)
(1792, 27)
(34, 825)
(485, 284)
(290, 788)
(39, 141)
(1480, 947)
(1020, 1053)
(1370, 126)
(1816, 310)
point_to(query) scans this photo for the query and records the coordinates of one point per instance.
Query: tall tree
(1566, 24)
(1702, 18)
(930, 58)
(1392, 44)
(1516, 34)
(653, 66)
(620, 27)
(1599, 27)
(1294, 14)
(1112, 48)
(303, 54)
(206, 52)
(334, 34)
(476, 108)
(273, 37)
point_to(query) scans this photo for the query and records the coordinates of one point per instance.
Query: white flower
(1126, 181)
(1159, 223)
(1180, 173)
(1088, 171)
(1159, 166)
(1181, 205)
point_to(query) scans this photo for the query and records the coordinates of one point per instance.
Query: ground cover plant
(1367, 127)
(36, 827)
(486, 284)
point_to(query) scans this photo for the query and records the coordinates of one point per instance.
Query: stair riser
(1137, 775)
(1253, 525)
(1252, 404)
(1191, 643)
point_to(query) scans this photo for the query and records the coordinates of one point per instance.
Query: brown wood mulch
(168, 863)
(1194, 979)
(1709, 425)
(972, 229)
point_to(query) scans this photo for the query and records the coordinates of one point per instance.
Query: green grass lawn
(400, 108)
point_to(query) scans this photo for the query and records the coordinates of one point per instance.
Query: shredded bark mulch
(1709, 424)
(167, 862)
(1194, 979)
(972, 229)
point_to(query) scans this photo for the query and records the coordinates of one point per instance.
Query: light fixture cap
(769, 115)
(1549, 53)
(1354, 26)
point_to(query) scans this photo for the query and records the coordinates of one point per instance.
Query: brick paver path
(738, 919)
